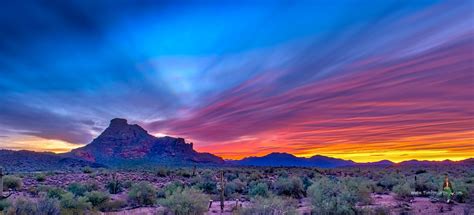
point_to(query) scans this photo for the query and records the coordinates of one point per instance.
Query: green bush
(169, 189)
(55, 192)
(331, 197)
(48, 206)
(186, 201)
(114, 186)
(259, 189)
(23, 206)
(142, 193)
(403, 190)
(388, 181)
(127, 184)
(114, 205)
(207, 186)
(292, 187)
(96, 198)
(360, 189)
(274, 205)
(12, 182)
(41, 177)
(4, 204)
(74, 205)
(77, 189)
(92, 185)
(239, 185)
(230, 189)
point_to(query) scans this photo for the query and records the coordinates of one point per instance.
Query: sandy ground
(419, 205)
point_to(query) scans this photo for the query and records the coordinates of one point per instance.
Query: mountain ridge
(122, 144)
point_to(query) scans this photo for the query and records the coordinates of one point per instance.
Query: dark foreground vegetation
(355, 190)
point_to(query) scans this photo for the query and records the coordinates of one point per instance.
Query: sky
(359, 80)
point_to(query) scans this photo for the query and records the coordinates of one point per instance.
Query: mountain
(122, 144)
(285, 159)
(28, 161)
(381, 163)
(468, 162)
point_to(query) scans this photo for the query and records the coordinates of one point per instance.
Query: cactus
(222, 191)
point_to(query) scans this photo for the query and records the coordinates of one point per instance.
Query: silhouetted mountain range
(285, 159)
(125, 145)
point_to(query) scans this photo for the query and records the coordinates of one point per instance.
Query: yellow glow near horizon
(40, 145)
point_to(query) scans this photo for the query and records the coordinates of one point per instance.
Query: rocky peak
(118, 122)
(120, 129)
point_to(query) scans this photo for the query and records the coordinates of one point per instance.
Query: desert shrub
(169, 189)
(259, 189)
(97, 198)
(255, 176)
(77, 189)
(184, 173)
(239, 185)
(360, 190)
(162, 172)
(127, 184)
(40, 177)
(292, 187)
(207, 186)
(74, 205)
(186, 201)
(230, 189)
(114, 205)
(55, 192)
(426, 182)
(331, 197)
(32, 191)
(87, 170)
(403, 190)
(23, 206)
(92, 185)
(142, 193)
(230, 176)
(306, 182)
(4, 204)
(283, 174)
(48, 206)
(114, 186)
(461, 191)
(274, 205)
(12, 182)
(388, 181)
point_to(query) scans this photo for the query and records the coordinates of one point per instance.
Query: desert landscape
(143, 174)
(259, 190)
(218, 107)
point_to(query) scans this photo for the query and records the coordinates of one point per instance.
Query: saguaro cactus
(1, 185)
(222, 191)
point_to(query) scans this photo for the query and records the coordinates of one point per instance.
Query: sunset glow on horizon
(358, 80)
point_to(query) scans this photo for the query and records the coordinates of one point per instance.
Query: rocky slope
(122, 144)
